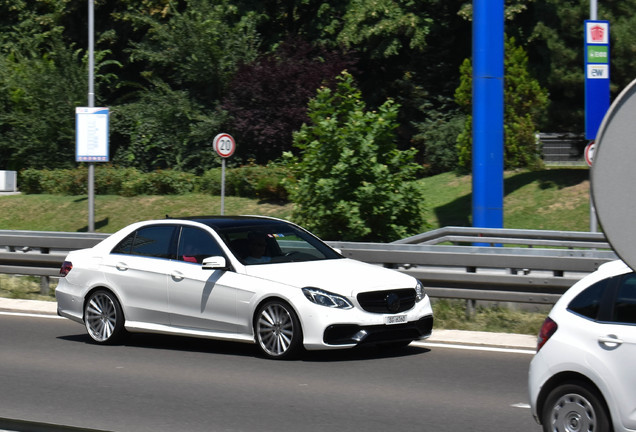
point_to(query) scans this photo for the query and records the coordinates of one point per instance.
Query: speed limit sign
(224, 145)
(589, 153)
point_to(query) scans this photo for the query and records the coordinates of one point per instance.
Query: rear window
(152, 241)
(588, 302)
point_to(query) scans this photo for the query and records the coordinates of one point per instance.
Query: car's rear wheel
(278, 331)
(103, 317)
(575, 406)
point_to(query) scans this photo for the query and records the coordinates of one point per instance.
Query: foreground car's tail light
(66, 267)
(547, 330)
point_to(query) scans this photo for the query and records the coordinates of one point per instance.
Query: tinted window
(588, 302)
(625, 303)
(153, 241)
(196, 244)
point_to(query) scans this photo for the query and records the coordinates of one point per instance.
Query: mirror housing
(214, 263)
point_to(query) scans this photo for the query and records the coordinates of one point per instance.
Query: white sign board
(91, 134)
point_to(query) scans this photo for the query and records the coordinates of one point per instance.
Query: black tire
(277, 330)
(104, 318)
(575, 406)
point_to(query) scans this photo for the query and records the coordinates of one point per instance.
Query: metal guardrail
(525, 266)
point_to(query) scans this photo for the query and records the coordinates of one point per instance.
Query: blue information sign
(597, 75)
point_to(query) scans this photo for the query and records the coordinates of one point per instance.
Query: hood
(340, 276)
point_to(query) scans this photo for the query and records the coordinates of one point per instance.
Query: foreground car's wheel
(277, 329)
(574, 407)
(103, 317)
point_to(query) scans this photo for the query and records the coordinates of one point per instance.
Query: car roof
(232, 221)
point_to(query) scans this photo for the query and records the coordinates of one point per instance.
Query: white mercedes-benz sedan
(241, 278)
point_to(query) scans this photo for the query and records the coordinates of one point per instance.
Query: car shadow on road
(199, 345)
(363, 353)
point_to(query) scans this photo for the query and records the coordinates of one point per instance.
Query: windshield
(274, 242)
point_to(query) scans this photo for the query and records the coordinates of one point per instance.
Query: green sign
(597, 54)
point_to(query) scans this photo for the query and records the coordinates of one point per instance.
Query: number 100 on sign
(224, 145)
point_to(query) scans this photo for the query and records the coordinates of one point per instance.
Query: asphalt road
(50, 372)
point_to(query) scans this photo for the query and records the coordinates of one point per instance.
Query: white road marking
(473, 348)
(23, 314)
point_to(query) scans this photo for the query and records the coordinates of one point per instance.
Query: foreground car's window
(275, 243)
(588, 302)
(196, 244)
(153, 241)
(625, 303)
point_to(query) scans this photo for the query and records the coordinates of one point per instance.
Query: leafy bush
(58, 182)
(438, 137)
(352, 182)
(251, 181)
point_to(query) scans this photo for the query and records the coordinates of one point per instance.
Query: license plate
(395, 319)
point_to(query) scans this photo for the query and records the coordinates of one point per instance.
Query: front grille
(387, 301)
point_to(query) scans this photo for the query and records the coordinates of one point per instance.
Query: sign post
(91, 145)
(225, 146)
(597, 85)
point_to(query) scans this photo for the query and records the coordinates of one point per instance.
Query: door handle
(121, 266)
(611, 341)
(177, 275)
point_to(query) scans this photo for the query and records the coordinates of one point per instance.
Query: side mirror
(214, 263)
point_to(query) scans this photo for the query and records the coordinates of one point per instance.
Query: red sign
(597, 32)
(589, 153)
(224, 145)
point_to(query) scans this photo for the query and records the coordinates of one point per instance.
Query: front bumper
(327, 328)
(347, 334)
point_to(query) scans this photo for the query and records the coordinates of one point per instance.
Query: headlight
(324, 298)
(419, 292)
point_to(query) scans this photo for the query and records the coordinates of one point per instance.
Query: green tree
(525, 103)
(352, 182)
(190, 51)
(165, 128)
(196, 46)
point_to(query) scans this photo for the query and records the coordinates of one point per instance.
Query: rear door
(136, 268)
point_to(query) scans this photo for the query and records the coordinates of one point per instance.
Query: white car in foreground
(582, 377)
(242, 278)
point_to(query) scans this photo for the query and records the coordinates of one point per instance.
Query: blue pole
(488, 139)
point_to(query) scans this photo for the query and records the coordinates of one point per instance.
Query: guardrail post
(44, 285)
(470, 309)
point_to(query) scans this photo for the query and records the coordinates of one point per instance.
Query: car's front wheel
(575, 406)
(103, 317)
(277, 329)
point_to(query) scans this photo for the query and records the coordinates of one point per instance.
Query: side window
(625, 303)
(124, 246)
(152, 241)
(195, 244)
(588, 302)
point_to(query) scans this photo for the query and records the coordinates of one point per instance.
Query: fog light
(359, 337)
